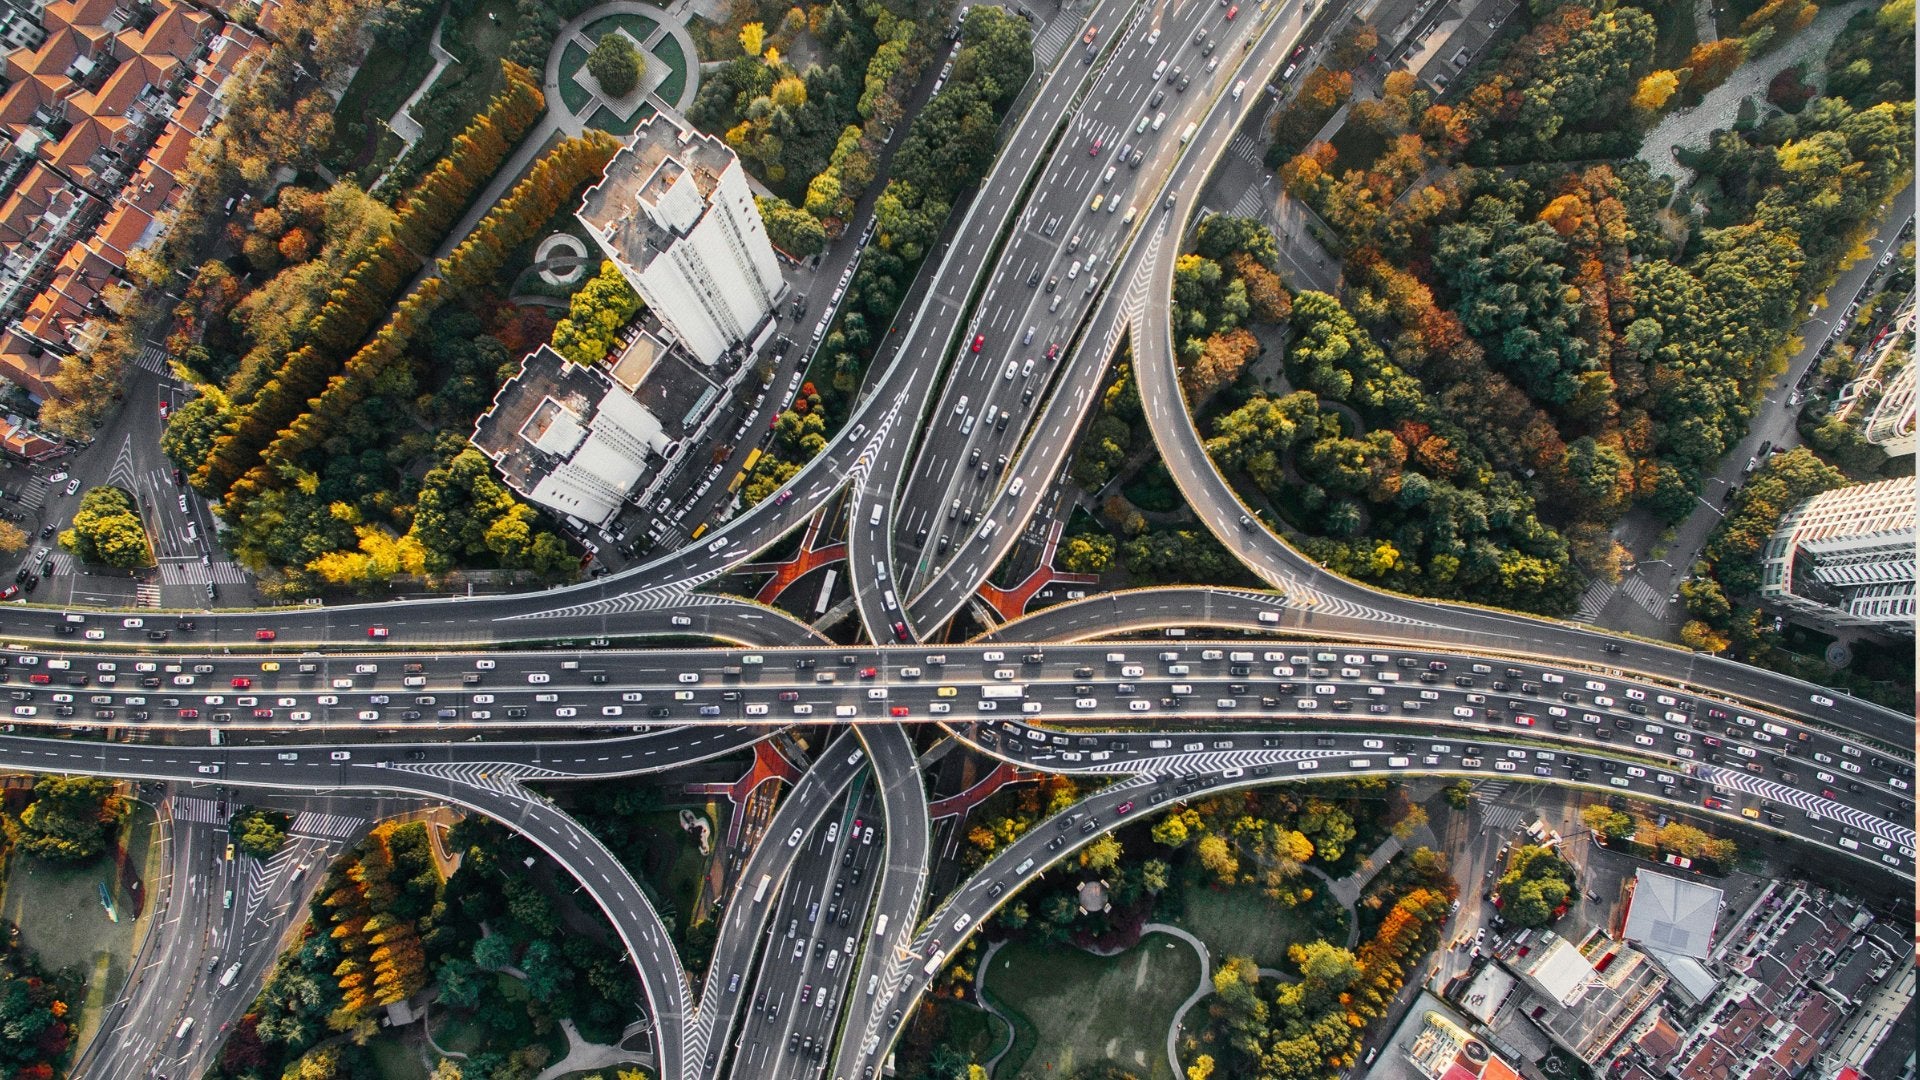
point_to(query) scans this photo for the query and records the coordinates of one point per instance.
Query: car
(265, 635)
(209, 770)
(241, 682)
(539, 678)
(1822, 700)
(978, 341)
(1232, 11)
(869, 672)
(1092, 151)
(1123, 809)
(901, 710)
(73, 485)
(377, 632)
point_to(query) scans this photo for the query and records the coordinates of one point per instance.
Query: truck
(994, 691)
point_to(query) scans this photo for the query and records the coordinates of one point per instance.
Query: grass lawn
(463, 89)
(1357, 145)
(1240, 922)
(1676, 34)
(377, 91)
(604, 119)
(573, 59)
(675, 868)
(395, 1055)
(68, 929)
(1087, 1009)
(637, 26)
(675, 83)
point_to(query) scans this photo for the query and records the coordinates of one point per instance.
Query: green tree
(71, 818)
(107, 529)
(1606, 821)
(791, 229)
(258, 832)
(615, 64)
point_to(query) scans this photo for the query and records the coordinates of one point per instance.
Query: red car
(900, 710)
(1712, 803)
(377, 631)
(979, 340)
(1524, 720)
(1232, 11)
(241, 682)
(264, 635)
(1123, 809)
(9, 592)
(189, 714)
(1097, 144)
(900, 631)
(40, 678)
(1053, 351)
(868, 673)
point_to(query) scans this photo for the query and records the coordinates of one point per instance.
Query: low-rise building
(1586, 996)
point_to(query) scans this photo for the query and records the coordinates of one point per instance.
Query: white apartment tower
(1846, 557)
(674, 212)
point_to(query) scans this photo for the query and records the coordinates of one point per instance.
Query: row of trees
(1632, 832)
(70, 818)
(313, 319)
(949, 148)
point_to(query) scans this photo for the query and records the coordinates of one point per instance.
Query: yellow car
(948, 691)
(1748, 811)
(271, 665)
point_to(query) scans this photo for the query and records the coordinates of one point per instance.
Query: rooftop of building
(658, 154)
(1673, 914)
(539, 416)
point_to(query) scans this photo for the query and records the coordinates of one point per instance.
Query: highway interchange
(803, 981)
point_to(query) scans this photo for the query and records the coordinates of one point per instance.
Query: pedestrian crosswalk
(1251, 204)
(1052, 42)
(151, 358)
(198, 811)
(327, 826)
(194, 572)
(1644, 594)
(1500, 818)
(146, 594)
(1595, 600)
(1248, 149)
(33, 494)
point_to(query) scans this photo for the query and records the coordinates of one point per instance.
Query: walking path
(403, 124)
(1199, 992)
(988, 1007)
(1689, 128)
(583, 1055)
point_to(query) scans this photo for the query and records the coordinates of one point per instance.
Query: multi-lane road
(955, 445)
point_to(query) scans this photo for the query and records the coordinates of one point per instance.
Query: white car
(539, 678)
(96, 635)
(682, 620)
(611, 710)
(566, 712)
(366, 669)
(300, 715)
(483, 665)
(210, 770)
(1139, 705)
(689, 676)
(633, 695)
(369, 714)
(132, 624)
(1085, 703)
(1822, 700)
(938, 708)
(341, 755)
(328, 699)
(73, 485)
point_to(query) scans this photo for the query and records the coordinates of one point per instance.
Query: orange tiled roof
(122, 229)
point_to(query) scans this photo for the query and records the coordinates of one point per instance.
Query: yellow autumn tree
(1655, 91)
(753, 38)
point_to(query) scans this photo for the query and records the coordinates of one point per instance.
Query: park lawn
(675, 84)
(573, 60)
(604, 119)
(637, 26)
(395, 1055)
(463, 89)
(1087, 1009)
(377, 91)
(1675, 34)
(68, 929)
(675, 867)
(1241, 922)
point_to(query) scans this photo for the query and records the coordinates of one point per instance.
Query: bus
(826, 592)
(760, 893)
(880, 927)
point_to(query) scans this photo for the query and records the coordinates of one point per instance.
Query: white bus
(760, 893)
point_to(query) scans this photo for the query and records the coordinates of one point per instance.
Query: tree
(13, 539)
(615, 64)
(107, 529)
(71, 818)
(1091, 554)
(1699, 636)
(1102, 854)
(791, 229)
(1654, 91)
(257, 832)
(1606, 821)
(1201, 1069)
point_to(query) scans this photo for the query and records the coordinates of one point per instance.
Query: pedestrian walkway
(805, 561)
(1012, 603)
(1500, 818)
(962, 804)
(327, 826)
(198, 811)
(1052, 41)
(152, 358)
(1645, 595)
(403, 124)
(191, 571)
(1595, 600)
